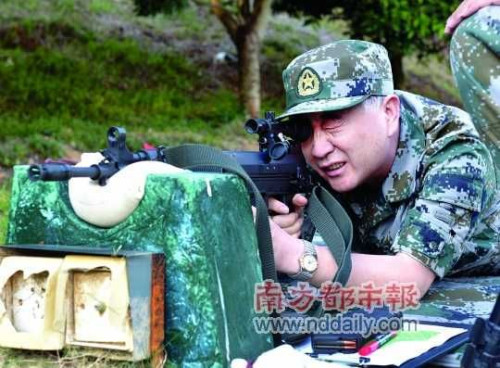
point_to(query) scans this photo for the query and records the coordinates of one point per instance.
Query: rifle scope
(271, 137)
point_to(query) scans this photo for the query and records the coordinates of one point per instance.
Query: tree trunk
(396, 59)
(248, 45)
(246, 27)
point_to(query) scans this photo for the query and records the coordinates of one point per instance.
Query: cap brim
(323, 106)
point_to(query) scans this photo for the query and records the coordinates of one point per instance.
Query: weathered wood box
(54, 297)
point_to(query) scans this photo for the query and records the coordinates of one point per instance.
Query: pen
(376, 343)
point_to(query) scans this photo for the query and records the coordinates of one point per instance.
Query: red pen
(376, 343)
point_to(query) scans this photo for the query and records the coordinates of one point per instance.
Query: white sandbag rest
(108, 205)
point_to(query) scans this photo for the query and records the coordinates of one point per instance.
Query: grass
(431, 77)
(4, 208)
(63, 83)
(68, 358)
(69, 69)
(69, 95)
(76, 11)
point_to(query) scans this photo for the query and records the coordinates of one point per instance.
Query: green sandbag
(202, 222)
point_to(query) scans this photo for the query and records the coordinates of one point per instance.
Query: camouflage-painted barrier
(203, 224)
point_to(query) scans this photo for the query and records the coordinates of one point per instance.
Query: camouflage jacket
(438, 202)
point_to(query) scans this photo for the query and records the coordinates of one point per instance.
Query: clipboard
(434, 353)
(419, 356)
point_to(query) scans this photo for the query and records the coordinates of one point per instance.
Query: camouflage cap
(336, 76)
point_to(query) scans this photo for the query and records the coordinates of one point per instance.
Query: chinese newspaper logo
(269, 297)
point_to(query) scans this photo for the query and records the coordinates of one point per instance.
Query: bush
(152, 7)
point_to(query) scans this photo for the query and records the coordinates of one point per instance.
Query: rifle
(278, 169)
(116, 156)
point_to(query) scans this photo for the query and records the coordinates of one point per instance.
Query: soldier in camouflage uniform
(419, 180)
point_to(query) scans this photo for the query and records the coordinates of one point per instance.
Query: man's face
(351, 147)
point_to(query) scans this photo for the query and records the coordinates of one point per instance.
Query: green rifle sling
(326, 213)
(335, 227)
(199, 156)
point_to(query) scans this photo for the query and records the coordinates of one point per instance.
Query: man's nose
(321, 145)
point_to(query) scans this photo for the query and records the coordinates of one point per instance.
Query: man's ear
(391, 109)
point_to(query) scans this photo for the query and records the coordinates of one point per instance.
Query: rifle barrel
(61, 171)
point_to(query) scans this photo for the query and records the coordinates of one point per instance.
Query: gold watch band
(309, 258)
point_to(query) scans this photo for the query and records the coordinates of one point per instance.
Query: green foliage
(35, 145)
(152, 7)
(4, 211)
(88, 80)
(69, 358)
(70, 94)
(404, 26)
(281, 50)
(101, 6)
(75, 11)
(431, 77)
(313, 9)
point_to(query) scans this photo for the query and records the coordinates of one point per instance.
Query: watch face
(309, 263)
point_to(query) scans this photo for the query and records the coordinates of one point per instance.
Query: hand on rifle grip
(291, 222)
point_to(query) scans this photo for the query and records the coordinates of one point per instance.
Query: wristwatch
(308, 263)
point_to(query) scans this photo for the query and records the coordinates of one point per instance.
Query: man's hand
(379, 269)
(291, 222)
(464, 10)
(287, 249)
(285, 231)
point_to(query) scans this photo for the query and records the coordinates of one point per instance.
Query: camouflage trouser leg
(475, 62)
